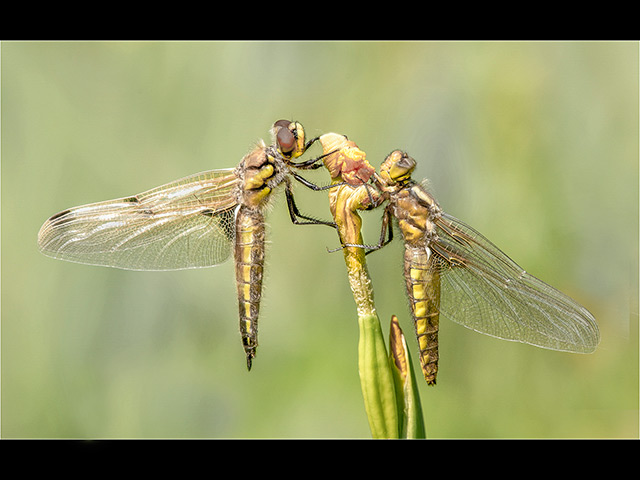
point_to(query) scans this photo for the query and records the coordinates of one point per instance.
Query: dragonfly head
(397, 168)
(289, 137)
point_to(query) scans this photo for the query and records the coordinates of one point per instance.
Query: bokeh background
(534, 144)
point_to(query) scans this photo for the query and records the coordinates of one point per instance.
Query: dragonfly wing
(184, 224)
(486, 291)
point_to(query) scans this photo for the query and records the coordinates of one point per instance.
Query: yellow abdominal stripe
(246, 273)
(419, 291)
(246, 250)
(246, 269)
(420, 311)
(416, 273)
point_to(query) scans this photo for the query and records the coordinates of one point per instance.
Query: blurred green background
(533, 144)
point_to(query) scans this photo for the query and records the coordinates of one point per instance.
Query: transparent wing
(486, 291)
(184, 224)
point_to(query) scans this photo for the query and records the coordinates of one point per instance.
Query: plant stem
(384, 386)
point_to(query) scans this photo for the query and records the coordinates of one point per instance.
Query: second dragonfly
(452, 270)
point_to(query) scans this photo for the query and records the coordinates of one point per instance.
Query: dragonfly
(193, 222)
(450, 269)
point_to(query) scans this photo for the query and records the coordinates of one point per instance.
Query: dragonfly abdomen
(422, 280)
(249, 256)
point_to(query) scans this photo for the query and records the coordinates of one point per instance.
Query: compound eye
(406, 163)
(282, 123)
(286, 140)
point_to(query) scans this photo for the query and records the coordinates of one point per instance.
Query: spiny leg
(387, 226)
(312, 163)
(295, 214)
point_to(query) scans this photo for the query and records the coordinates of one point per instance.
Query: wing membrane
(184, 224)
(486, 291)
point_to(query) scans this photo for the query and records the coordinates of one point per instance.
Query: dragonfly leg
(313, 186)
(312, 163)
(309, 143)
(295, 214)
(387, 226)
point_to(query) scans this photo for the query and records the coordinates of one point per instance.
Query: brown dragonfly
(193, 222)
(452, 270)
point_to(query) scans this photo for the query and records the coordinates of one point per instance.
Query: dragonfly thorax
(260, 172)
(415, 219)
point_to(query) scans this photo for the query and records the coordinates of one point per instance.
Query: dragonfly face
(197, 221)
(452, 270)
(289, 138)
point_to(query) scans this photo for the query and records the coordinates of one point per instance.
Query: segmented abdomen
(422, 279)
(249, 256)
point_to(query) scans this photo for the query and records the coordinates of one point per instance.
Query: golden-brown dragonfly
(450, 269)
(193, 222)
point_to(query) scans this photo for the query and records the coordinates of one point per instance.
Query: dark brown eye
(282, 123)
(286, 140)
